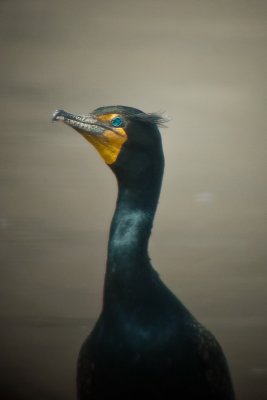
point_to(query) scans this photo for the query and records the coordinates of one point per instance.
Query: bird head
(125, 137)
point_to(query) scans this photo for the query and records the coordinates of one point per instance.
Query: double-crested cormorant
(145, 344)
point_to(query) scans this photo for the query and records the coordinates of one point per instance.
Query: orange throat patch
(108, 144)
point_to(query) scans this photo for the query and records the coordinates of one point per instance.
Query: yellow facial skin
(108, 144)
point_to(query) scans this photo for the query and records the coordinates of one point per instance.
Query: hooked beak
(82, 123)
(107, 140)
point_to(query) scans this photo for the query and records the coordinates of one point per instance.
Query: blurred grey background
(204, 64)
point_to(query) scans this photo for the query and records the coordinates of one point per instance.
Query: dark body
(160, 353)
(145, 344)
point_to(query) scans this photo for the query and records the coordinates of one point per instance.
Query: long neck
(129, 235)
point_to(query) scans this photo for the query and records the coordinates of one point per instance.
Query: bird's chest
(134, 343)
(133, 357)
(147, 351)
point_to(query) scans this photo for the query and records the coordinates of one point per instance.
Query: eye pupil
(116, 122)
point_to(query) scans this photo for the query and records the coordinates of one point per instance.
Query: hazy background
(203, 62)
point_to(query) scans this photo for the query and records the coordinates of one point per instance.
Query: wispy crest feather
(134, 114)
(149, 118)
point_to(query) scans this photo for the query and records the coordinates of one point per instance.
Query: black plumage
(145, 344)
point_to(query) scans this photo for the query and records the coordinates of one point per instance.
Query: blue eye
(117, 122)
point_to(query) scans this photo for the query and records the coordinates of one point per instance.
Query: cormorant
(145, 344)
